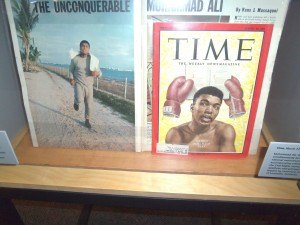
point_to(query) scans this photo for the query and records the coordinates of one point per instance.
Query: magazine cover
(207, 81)
(79, 68)
(163, 11)
(219, 11)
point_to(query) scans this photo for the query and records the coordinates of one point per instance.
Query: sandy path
(57, 124)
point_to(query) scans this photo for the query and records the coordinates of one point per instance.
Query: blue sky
(110, 36)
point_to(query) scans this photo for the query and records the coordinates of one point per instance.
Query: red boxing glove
(177, 92)
(235, 101)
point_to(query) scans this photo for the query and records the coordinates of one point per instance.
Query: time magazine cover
(207, 81)
(79, 69)
(217, 11)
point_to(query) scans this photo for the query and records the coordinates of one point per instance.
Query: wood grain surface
(132, 161)
(145, 175)
(164, 185)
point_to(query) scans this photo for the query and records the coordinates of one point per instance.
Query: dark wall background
(12, 113)
(283, 109)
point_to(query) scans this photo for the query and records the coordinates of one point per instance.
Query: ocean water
(107, 73)
(118, 75)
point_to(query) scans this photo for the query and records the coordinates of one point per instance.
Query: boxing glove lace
(235, 101)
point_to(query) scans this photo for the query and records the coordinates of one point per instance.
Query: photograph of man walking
(83, 68)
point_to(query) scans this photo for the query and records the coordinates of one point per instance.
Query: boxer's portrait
(203, 133)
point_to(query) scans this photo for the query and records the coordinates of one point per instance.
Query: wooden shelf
(131, 161)
(145, 175)
(149, 184)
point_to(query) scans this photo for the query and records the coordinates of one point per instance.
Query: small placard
(7, 154)
(173, 149)
(282, 160)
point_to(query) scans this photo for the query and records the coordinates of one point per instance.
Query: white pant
(84, 93)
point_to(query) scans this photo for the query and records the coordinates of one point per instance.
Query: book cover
(79, 69)
(207, 81)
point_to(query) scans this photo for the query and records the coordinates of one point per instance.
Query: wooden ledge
(145, 175)
(131, 161)
(146, 184)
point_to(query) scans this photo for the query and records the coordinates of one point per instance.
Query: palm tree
(34, 54)
(25, 20)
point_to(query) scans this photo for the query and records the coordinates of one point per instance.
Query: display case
(142, 174)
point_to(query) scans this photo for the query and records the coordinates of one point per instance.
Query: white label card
(282, 160)
(7, 154)
(173, 149)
